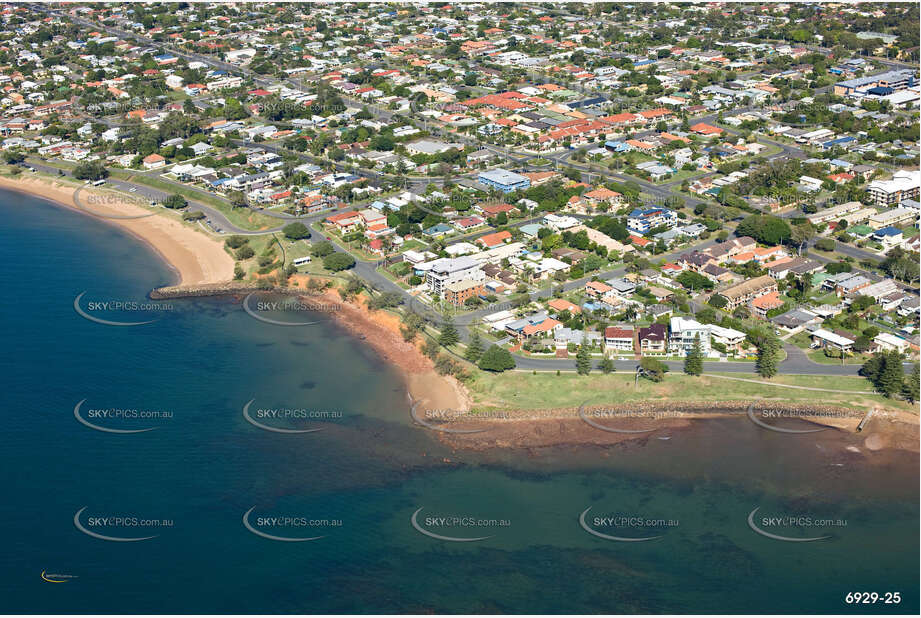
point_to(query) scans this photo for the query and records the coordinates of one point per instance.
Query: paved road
(218, 221)
(787, 367)
(367, 271)
(796, 363)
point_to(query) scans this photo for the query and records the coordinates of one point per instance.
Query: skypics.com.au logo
(57, 578)
(115, 528)
(606, 419)
(628, 522)
(108, 204)
(287, 528)
(794, 526)
(262, 307)
(805, 417)
(272, 418)
(452, 522)
(133, 420)
(121, 308)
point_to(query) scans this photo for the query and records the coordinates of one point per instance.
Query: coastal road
(793, 365)
(218, 221)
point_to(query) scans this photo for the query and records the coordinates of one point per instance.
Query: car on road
(133, 190)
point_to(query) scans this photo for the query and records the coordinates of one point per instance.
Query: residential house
(653, 339)
(618, 339)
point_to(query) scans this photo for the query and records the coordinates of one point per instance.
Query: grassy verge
(524, 390)
(818, 356)
(242, 217)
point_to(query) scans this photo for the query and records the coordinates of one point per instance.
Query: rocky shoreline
(620, 424)
(665, 409)
(451, 414)
(377, 329)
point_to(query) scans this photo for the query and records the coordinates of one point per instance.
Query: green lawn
(241, 217)
(680, 175)
(525, 390)
(818, 356)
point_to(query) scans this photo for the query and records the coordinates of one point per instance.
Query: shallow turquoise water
(367, 472)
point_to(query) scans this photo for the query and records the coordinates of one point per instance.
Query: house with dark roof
(653, 339)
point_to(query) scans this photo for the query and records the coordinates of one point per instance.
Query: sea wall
(223, 289)
(664, 409)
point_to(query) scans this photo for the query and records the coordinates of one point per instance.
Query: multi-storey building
(641, 220)
(445, 271)
(458, 293)
(653, 339)
(618, 338)
(904, 185)
(741, 293)
(683, 332)
(504, 180)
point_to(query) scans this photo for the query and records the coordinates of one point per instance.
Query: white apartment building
(835, 213)
(445, 271)
(682, 334)
(903, 185)
(224, 82)
(558, 223)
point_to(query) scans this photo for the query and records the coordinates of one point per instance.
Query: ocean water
(358, 481)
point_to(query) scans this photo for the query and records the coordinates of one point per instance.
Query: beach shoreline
(203, 268)
(192, 256)
(380, 330)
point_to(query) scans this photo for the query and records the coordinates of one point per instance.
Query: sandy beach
(194, 256)
(200, 260)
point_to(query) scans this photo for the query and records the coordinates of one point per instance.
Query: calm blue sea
(357, 482)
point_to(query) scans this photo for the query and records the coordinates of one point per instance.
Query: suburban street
(795, 363)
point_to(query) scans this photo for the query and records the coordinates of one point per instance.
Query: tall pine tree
(910, 390)
(583, 359)
(448, 336)
(768, 351)
(474, 348)
(892, 376)
(606, 365)
(694, 361)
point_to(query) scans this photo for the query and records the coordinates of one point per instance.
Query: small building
(887, 342)
(153, 161)
(827, 339)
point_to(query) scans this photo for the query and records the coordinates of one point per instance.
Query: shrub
(338, 261)
(175, 201)
(296, 231)
(825, 244)
(496, 359)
